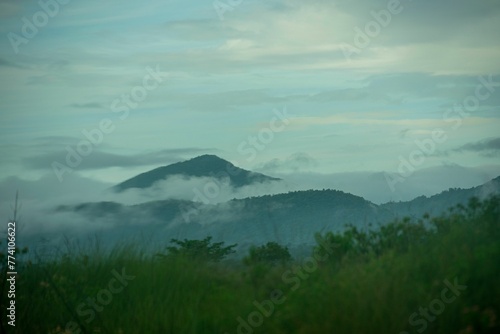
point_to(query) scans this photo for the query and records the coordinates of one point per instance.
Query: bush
(202, 250)
(270, 253)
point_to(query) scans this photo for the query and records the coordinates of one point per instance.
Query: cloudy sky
(299, 88)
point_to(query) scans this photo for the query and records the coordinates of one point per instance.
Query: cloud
(273, 53)
(308, 35)
(88, 105)
(489, 147)
(403, 133)
(9, 8)
(406, 88)
(8, 63)
(40, 198)
(99, 159)
(206, 190)
(229, 100)
(294, 163)
(74, 188)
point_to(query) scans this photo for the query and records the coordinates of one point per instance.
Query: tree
(202, 250)
(270, 253)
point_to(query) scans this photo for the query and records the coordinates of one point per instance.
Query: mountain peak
(206, 159)
(207, 165)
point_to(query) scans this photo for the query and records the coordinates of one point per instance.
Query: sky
(359, 95)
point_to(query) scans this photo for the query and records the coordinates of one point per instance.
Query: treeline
(432, 275)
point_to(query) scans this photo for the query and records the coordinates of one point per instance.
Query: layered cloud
(489, 147)
(352, 113)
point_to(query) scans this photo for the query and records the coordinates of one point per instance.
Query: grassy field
(436, 275)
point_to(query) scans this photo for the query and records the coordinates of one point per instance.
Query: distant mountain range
(202, 166)
(441, 202)
(290, 218)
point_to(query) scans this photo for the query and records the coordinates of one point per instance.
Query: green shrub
(202, 250)
(270, 253)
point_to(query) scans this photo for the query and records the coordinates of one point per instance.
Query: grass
(382, 285)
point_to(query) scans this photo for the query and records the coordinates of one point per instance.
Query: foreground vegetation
(435, 275)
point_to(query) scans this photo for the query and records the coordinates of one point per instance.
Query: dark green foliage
(402, 235)
(202, 250)
(370, 282)
(270, 253)
(398, 236)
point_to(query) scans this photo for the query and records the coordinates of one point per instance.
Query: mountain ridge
(206, 165)
(290, 218)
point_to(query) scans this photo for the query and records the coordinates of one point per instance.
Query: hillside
(439, 203)
(202, 166)
(291, 218)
